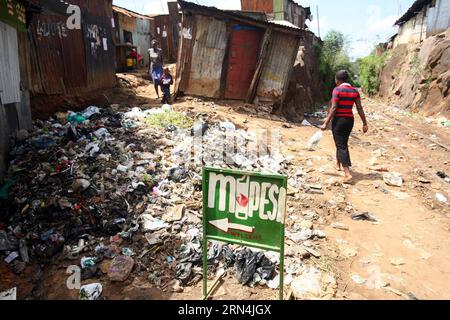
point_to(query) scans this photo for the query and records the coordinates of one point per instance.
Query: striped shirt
(345, 96)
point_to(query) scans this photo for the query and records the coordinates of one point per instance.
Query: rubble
(393, 179)
(117, 193)
(91, 291)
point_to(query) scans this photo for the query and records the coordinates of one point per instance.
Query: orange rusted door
(243, 56)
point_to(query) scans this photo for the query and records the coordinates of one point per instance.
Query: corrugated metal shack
(230, 55)
(62, 61)
(131, 29)
(287, 10)
(45, 60)
(166, 30)
(15, 111)
(423, 19)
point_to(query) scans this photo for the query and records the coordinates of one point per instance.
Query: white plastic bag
(91, 291)
(315, 140)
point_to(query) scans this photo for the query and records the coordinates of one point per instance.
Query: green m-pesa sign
(244, 208)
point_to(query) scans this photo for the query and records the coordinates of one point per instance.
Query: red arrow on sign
(225, 225)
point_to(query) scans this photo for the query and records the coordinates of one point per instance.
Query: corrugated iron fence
(63, 61)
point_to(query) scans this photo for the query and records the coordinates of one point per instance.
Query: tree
(334, 57)
(370, 69)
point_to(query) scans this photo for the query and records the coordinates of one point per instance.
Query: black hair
(343, 76)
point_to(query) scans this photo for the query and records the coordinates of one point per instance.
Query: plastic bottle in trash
(315, 140)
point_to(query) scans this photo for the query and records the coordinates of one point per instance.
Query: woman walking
(344, 98)
(156, 65)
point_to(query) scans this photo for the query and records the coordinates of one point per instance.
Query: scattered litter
(87, 262)
(443, 175)
(315, 140)
(91, 291)
(397, 262)
(174, 213)
(306, 123)
(441, 198)
(248, 263)
(393, 179)
(11, 257)
(307, 286)
(365, 216)
(153, 224)
(358, 279)
(90, 111)
(9, 295)
(340, 226)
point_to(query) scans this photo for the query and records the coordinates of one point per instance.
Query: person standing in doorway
(156, 65)
(344, 99)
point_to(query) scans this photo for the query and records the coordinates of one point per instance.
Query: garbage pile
(117, 194)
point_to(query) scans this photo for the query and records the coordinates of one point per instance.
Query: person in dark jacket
(344, 99)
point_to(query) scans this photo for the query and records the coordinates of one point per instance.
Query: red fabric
(345, 96)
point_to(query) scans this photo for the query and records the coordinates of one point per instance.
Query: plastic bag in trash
(43, 142)
(183, 272)
(266, 268)
(90, 111)
(246, 262)
(315, 140)
(227, 126)
(91, 291)
(166, 108)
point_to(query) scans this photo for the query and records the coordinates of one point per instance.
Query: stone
(120, 269)
(306, 225)
(340, 226)
(307, 286)
(393, 179)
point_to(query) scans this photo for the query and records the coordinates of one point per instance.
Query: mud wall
(306, 90)
(417, 76)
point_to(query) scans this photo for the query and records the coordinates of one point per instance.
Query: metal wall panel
(438, 18)
(9, 65)
(100, 51)
(207, 57)
(257, 5)
(144, 38)
(164, 34)
(277, 67)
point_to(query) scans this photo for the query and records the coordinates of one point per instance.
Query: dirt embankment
(306, 90)
(417, 77)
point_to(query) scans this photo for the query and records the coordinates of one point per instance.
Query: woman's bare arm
(362, 115)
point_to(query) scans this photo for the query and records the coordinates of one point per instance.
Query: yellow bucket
(130, 62)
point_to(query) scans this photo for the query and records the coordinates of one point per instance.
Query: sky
(365, 23)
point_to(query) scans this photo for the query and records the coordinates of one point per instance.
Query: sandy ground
(405, 254)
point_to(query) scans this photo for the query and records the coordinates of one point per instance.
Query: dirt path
(404, 255)
(407, 251)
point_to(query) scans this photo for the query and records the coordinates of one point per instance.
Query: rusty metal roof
(130, 13)
(212, 11)
(416, 7)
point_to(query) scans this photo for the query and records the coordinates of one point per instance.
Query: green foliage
(333, 57)
(370, 69)
(417, 68)
(169, 118)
